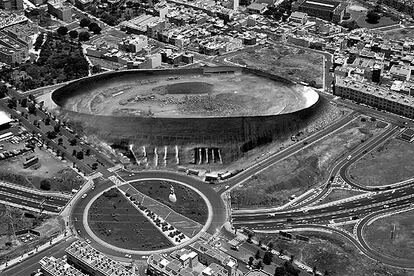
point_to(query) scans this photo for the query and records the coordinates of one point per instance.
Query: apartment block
(82, 255)
(375, 96)
(52, 266)
(60, 9)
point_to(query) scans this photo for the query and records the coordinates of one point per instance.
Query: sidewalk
(25, 256)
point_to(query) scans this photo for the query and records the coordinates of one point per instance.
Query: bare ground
(393, 235)
(303, 170)
(389, 163)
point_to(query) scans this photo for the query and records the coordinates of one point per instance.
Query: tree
(3, 90)
(32, 109)
(51, 134)
(62, 30)
(47, 121)
(259, 265)
(280, 271)
(92, 26)
(251, 259)
(249, 238)
(84, 36)
(79, 155)
(88, 152)
(292, 258)
(60, 141)
(260, 243)
(270, 246)
(257, 255)
(84, 22)
(12, 103)
(372, 17)
(73, 142)
(74, 153)
(94, 166)
(268, 258)
(23, 102)
(45, 185)
(96, 68)
(96, 30)
(57, 128)
(73, 34)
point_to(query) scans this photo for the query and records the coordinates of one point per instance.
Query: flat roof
(320, 4)
(4, 118)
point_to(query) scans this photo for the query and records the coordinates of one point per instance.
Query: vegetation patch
(115, 220)
(303, 170)
(393, 235)
(389, 163)
(189, 203)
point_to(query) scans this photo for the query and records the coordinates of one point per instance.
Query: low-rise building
(90, 260)
(51, 266)
(11, 50)
(60, 9)
(375, 96)
(133, 44)
(299, 18)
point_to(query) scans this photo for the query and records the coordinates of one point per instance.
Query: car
(88, 241)
(84, 195)
(79, 232)
(235, 248)
(128, 256)
(349, 157)
(386, 206)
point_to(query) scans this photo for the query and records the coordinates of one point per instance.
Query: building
(408, 135)
(133, 44)
(11, 50)
(50, 266)
(372, 95)
(83, 256)
(235, 4)
(5, 120)
(257, 8)
(22, 32)
(60, 9)
(208, 255)
(325, 9)
(299, 18)
(11, 4)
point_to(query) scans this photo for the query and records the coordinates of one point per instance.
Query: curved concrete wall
(242, 132)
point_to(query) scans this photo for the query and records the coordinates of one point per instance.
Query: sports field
(190, 95)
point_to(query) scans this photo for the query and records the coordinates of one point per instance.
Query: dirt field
(292, 63)
(389, 163)
(393, 235)
(115, 220)
(189, 203)
(60, 176)
(13, 220)
(192, 96)
(338, 194)
(400, 34)
(332, 254)
(303, 170)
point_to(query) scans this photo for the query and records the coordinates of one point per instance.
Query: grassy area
(333, 254)
(189, 203)
(58, 174)
(114, 219)
(393, 235)
(390, 163)
(338, 194)
(14, 220)
(289, 62)
(400, 34)
(303, 170)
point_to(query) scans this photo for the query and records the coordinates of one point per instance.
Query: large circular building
(227, 108)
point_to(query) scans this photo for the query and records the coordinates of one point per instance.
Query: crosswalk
(116, 180)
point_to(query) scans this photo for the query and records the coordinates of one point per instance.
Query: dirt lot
(13, 220)
(189, 203)
(393, 235)
(389, 163)
(400, 34)
(60, 176)
(332, 254)
(303, 170)
(338, 194)
(291, 63)
(115, 220)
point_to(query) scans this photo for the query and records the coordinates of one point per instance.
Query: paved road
(28, 266)
(49, 200)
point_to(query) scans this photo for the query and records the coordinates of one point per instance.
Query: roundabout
(122, 229)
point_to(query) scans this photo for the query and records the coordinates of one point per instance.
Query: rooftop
(59, 267)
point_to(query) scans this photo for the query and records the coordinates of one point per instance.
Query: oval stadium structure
(228, 108)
